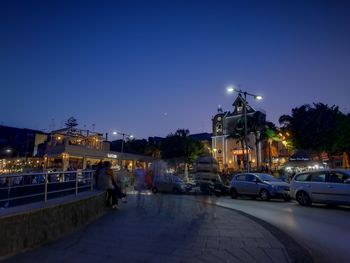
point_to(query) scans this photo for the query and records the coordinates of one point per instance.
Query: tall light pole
(123, 139)
(257, 97)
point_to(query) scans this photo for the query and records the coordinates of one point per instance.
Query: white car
(323, 186)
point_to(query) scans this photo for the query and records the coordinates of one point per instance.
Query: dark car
(260, 185)
(212, 186)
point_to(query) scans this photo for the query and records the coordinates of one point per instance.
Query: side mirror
(255, 180)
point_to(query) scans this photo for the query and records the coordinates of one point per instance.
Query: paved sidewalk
(164, 228)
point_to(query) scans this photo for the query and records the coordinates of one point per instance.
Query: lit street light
(257, 97)
(123, 139)
(124, 135)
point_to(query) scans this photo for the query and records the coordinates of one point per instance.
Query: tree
(180, 146)
(135, 146)
(317, 128)
(270, 136)
(255, 124)
(237, 132)
(342, 142)
(71, 122)
(153, 147)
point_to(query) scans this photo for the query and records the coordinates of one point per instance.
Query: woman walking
(108, 182)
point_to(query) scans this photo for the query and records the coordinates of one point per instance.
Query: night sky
(150, 67)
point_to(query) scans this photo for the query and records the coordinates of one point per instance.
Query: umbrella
(345, 161)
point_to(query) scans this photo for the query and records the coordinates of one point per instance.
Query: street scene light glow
(216, 171)
(230, 89)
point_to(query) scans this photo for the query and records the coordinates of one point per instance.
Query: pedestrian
(140, 184)
(96, 174)
(108, 182)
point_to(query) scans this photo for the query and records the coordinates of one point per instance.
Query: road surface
(323, 230)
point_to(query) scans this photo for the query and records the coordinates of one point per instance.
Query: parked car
(210, 185)
(260, 185)
(324, 186)
(168, 183)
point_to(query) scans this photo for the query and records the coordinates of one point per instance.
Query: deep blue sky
(151, 67)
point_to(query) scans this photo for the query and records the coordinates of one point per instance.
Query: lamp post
(122, 149)
(257, 97)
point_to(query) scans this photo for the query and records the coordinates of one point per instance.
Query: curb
(296, 252)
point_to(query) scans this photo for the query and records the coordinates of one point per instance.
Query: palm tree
(257, 125)
(270, 136)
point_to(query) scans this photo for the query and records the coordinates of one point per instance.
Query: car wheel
(233, 193)
(155, 190)
(264, 195)
(303, 198)
(217, 194)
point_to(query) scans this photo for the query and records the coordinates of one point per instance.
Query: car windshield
(267, 178)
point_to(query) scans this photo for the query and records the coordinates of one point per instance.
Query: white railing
(17, 189)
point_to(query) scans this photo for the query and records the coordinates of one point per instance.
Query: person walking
(97, 175)
(140, 184)
(108, 182)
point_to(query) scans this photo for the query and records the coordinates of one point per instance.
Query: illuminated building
(228, 136)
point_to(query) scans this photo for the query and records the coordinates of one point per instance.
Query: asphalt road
(323, 230)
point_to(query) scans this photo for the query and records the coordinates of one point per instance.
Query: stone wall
(29, 229)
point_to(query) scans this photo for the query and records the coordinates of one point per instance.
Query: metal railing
(19, 189)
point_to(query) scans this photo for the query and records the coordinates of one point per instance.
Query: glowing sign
(111, 155)
(239, 152)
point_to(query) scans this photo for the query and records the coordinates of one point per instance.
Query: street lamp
(124, 135)
(257, 97)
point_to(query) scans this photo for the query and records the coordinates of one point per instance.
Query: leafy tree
(130, 146)
(153, 150)
(342, 142)
(135, 146)
(180, 146)
(153, 147)
(316, 127)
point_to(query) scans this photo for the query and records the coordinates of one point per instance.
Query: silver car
(324, 186)
(260, 185)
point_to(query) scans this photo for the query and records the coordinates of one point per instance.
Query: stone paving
(164, 228)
